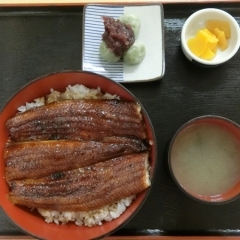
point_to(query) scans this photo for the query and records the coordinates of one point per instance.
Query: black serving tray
(38, 41)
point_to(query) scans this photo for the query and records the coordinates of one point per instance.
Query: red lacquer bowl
(199, 155)
(30, 221)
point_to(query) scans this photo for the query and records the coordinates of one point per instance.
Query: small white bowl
(197, 22)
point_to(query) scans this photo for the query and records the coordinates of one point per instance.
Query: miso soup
(205, 159)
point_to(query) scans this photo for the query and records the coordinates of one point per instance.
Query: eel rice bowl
(20, 146)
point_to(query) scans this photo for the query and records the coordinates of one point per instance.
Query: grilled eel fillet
(86, 188)
(40, 158)
(78, 119)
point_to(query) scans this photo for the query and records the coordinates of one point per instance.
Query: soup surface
(206, 159)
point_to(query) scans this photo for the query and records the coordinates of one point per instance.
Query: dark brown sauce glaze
(85, 189)
(107, 139)
(84, 120)
(35, 159)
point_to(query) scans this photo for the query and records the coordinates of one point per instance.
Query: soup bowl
(204, 159)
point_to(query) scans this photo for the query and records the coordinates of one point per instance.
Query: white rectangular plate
(151, 34)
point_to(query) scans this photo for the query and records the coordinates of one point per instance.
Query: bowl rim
(172, 141)
(213, 62)
(147, 119)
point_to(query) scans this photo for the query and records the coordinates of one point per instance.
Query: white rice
(81, 218)
(88, 218)
(77, 91)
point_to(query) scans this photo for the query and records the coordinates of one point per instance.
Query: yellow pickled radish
(208, 32)
(221, 25)
(197, 45)
(210, 37)
(214, 50)
(208, 40)
(208, 54)
(204, 43)
(222, 38)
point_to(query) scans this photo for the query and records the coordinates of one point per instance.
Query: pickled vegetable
(221, 25)
(204, 44)
(208, 40)
(208, 54)
(197, 45)
(222, 39)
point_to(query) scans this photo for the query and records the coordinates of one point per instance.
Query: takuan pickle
(208, 40)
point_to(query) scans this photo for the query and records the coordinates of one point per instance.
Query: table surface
(38, 41)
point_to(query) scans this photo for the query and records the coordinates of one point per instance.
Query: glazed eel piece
(86, 188)
(78, 119)
(40, 158)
